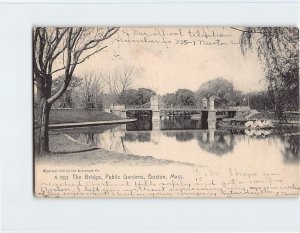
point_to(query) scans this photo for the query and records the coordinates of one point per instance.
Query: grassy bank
(58, 116)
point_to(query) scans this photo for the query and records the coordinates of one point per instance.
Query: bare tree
(90, 90)
(60, 49)
(119, 81)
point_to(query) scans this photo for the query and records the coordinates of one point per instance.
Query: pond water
(189, 141)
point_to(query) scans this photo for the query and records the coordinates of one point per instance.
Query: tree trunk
(279, 110)
(41, 134)
(276, 96)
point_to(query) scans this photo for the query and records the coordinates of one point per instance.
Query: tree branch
(79, 62)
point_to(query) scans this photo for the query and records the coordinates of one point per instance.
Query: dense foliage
(222, 90)
(182, 97)
(278, 50)
(133, 97)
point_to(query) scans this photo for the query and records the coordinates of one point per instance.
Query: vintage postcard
(185, 112)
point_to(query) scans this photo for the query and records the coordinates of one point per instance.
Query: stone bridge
(208, 111)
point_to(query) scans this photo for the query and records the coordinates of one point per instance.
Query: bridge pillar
(155, 115)
(123, 128)
(212, 116)
(123, 114)
(154, 102)
(155, 108)
(211, 136)
(212, 119)
(211, 103)
(155, 132)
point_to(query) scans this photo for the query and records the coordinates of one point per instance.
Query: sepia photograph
(165, 112)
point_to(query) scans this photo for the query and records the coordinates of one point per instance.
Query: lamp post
(248, 101)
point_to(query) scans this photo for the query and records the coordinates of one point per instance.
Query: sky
(166, 59)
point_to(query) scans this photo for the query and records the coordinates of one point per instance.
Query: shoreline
(65, 151)
(91, 123)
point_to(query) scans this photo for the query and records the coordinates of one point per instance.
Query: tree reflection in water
(291, 148)
(142, 123)
(86, 138)
(184, 136)
(112, 139)
(138, 136)
(91, 139)
(181, 123)
(217, 142)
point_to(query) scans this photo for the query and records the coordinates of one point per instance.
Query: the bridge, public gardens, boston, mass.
(207, 113)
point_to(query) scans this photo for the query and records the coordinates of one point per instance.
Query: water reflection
(216, 142)
(184, 136)
(187, 140)
(291, 147)
(182, 123)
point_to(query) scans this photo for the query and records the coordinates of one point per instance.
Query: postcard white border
(21, 212)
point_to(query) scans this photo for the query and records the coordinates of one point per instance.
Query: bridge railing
(179, 107)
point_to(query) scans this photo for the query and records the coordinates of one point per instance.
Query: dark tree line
(133, 97)
(221, 89)
(182, 97)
